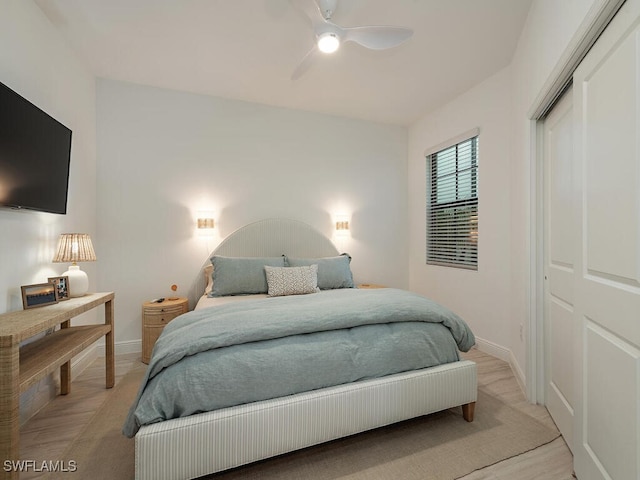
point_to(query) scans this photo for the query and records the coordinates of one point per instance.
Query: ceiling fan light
(328, 42)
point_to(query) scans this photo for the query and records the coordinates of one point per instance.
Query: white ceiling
(248, 49)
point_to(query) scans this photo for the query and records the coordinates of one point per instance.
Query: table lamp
(75, 247)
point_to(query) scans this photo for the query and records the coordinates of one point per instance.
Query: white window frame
(453, 241)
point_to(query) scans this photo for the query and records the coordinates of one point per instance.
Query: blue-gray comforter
(259, 349)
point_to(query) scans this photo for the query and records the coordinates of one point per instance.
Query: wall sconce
(342, 225)
(207, 222)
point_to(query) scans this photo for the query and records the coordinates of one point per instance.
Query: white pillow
(208, 275)
(291, 280)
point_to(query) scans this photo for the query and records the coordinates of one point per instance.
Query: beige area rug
(438, 446)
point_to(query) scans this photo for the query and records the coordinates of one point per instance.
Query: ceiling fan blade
(377, 37)
(305, 63)
(311, 10)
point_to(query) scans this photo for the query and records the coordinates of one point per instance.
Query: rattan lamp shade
(75, 247)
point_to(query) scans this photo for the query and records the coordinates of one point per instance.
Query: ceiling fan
(330, 36)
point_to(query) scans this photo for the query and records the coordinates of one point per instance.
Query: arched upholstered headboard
(268, 238)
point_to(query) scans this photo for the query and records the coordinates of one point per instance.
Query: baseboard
(506, 355)
(81, 361)
(494, 350)
(518, 373)
(122, 348)
(88, 355)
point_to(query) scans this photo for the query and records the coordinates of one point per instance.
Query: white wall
(495, 300)
(36, 63)
(162, 155)
(481, 297)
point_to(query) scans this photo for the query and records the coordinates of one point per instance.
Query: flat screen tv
(35, 152)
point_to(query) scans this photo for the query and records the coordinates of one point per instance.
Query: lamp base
(78, 281)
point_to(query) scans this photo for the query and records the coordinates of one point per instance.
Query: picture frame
(62, 287)
(38, 295)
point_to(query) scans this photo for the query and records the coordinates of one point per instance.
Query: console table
(22, 367)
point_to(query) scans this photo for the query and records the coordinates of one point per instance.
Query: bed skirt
(210, 442)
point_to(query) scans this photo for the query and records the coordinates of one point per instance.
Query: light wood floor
(47, 434)
(549, 462)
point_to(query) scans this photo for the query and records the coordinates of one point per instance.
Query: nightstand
(371, 285)
(154, 318)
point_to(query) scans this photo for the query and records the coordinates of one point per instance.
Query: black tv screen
(35, 151)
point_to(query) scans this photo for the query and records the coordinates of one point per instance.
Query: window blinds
(452, 205)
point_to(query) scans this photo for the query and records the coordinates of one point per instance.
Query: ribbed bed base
(210, 442)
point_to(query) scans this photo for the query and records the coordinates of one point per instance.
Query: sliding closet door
(559, 260)
(606, 103)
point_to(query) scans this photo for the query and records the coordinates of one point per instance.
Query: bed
(184, 432)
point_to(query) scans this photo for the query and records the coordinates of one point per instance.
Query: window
(452, 205)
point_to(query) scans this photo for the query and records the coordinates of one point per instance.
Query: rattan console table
(22, 367)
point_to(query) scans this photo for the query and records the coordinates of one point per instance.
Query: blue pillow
(333, 272)
(241, 275)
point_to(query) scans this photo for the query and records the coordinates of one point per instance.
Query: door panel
(561, 211)
(607, 270)
(610, 400)
(559, 224)
(560, 394)
(611, 169)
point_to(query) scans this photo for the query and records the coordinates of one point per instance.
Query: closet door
(559, 260)
(606, 102)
